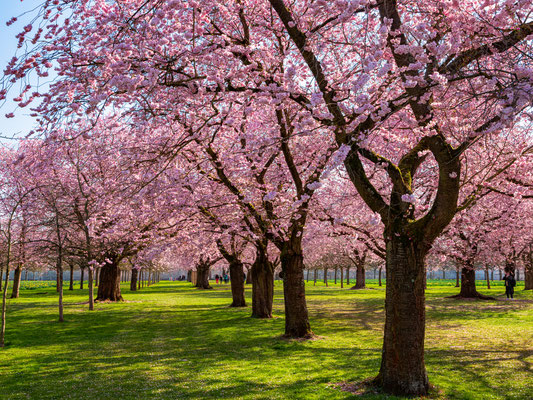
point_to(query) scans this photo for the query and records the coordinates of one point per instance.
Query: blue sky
(22, 123)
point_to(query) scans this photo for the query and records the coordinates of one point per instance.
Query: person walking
(510, 283)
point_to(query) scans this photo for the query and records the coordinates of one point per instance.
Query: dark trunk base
(262, 272)
(468, 286)
(202, 275)
(109, 283)
(236, 273)
(296, 316)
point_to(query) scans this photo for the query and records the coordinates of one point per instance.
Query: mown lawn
(171, 341)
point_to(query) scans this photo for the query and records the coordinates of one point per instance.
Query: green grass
(171, 341)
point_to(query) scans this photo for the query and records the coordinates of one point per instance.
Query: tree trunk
(487, 276)
(379, 276)
(1, 274)
(202, 275)
(249, 276)
(468, 285)
(133, 282)
(109, 282)
(81, 277)
(262, 285)
(360, 281)
(314, 278)
(296, 315)
(528, 272)
(342, 277)
(347, 275)
(4, 306)
(71, 283)
(16, 282)
(91, 288)
(457, 275)
(189, 276)
(59, 271)
(236, 274)
(326, 276)
(335, 279)
(403, 369)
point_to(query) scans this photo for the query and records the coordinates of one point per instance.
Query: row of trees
(266, 132)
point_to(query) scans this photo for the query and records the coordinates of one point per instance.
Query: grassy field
(171, 341)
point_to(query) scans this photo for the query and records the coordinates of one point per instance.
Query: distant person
(217, 278)
(510, 283)
(226, 278)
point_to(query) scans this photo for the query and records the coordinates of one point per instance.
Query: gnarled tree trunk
(296, 315)
(262, 285)
(109, 282)
(202, 275)
(403, 369)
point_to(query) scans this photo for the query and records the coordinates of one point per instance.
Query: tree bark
(326, 276)
(342, 277)
(457, 277)
(59, 270)
(314, 278)
(4, 306)
(91, 288)
(236, 274)
(296, 315)
(379, 276)
(249, 276)
(403, 369)
(468, 285)
(528, 272)
(347, 275)
(109, 282)
(133, 282)
(360, 281)
(71, 283)
(487, 276)
(202, 277)
(335, 279)
(16, 282)
(81, 277)
(262, 285)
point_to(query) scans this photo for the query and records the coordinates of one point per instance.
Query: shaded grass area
(171, 341)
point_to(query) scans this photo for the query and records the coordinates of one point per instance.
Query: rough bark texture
(403, 369)
(379, 276)
(468, 285)
(296, 315)
(16, 282)
(133, 282)
(109, 282)
(249, 276)
(360, 281)
(202, 277)
(262, 286)
(236, 273)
